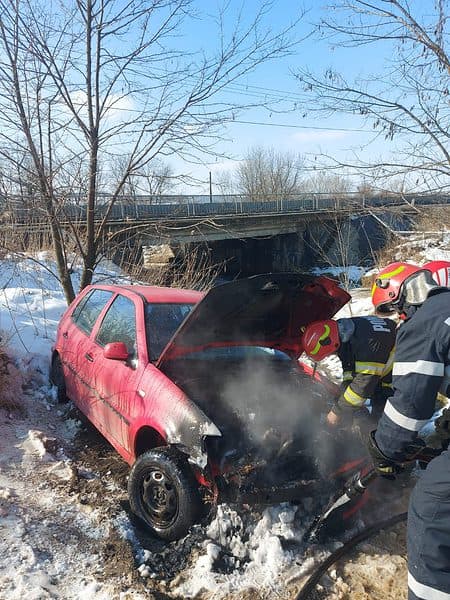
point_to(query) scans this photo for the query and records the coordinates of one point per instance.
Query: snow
(52, 542)
(262, 555)
(352, 273)
(32, 302)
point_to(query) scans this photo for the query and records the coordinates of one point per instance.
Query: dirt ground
(67, 532)
(375, 570)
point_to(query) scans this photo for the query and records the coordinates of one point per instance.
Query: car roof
(156, 294)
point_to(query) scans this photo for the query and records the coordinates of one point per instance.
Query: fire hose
(314, 579)
(357, 485)
(352, 488)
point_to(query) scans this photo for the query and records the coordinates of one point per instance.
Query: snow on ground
(65, 529)
(52, 543)
(32, 302)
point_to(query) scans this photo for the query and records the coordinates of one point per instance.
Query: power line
(259, 90)
(299, 126)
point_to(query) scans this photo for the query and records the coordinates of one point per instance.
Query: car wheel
(57, 378)
(163, 492)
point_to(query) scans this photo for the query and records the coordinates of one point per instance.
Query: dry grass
(433, 219)
(191, 270)
(430, 224)
(20, 239)
(389, 253)
(10, 383)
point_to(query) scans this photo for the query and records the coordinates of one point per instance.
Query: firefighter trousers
(429, 533)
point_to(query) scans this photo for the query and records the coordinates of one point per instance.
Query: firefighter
(365, 347)
(421, 368)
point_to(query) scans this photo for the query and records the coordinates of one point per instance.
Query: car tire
(164, 493)
(58, 380)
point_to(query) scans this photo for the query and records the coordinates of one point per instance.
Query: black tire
(57, 378)
(163, 492)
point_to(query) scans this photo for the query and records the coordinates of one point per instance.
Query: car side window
(119, 324)
(88, 310)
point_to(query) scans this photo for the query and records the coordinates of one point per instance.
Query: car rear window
(161, 322)
(87, 311)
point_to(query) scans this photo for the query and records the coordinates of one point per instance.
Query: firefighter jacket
(367, 361)
(421, 369)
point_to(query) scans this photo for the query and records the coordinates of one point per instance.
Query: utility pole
(210, 188)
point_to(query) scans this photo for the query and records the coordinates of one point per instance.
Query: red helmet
(320, 339)
(387, 287)
(440, 271)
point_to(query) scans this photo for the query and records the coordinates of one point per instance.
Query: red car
(201, 393)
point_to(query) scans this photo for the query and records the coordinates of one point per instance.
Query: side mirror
(116, 351)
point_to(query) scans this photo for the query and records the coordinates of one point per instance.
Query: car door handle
(89, 357)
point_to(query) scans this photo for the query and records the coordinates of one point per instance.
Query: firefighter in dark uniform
(421, 369)
(365, 347)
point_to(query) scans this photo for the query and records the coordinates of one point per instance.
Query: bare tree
(266, 174)
(152, 180)
(225, 182)
(407, 102)
(334, 244)
(82, 82)
(326, 184)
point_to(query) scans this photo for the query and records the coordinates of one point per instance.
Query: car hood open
(265, 310)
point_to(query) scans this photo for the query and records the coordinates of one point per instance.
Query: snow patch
(37, 444)
(254, 555)
(351, 274)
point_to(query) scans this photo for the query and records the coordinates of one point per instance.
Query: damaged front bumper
(264, 482)
(291, 491)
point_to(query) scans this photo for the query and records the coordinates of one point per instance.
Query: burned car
(202, 394)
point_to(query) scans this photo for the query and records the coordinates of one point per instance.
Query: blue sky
(339, 136)
(285, 131)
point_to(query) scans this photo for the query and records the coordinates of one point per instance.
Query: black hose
(314, 579)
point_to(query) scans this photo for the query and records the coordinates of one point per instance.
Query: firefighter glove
(442, 427)
(386, 467)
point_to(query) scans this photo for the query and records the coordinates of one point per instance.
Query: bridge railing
(202, 206)
(140, 211)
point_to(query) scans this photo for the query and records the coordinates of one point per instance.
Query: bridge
(275, 234)
(251, 237)
(188, 219)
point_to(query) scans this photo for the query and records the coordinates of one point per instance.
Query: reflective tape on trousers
(422, 367)
(402, 420)
(426, 592)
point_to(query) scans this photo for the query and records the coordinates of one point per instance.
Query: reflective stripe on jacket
(420, 371)
(367, 360)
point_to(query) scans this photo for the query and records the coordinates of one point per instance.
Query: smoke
(268, 412)
(272, 402)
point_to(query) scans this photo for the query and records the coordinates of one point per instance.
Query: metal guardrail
(241, 207)
(233, 206)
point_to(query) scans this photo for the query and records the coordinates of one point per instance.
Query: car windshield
(161, 322)
(238, 352)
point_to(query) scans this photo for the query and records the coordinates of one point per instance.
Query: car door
(74, 335)
(114, 383)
